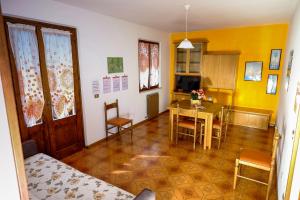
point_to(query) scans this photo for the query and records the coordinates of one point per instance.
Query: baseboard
(110, 137)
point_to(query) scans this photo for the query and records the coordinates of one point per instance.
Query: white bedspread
(49, 178)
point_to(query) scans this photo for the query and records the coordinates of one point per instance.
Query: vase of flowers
(197, 96)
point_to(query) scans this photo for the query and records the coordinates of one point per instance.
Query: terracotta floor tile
(176, 172)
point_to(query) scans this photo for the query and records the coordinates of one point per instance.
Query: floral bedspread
(49, 178)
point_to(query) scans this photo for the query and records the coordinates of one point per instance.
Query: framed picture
(272, 83)
(289, 69)
(275, 59)
(115, 65)
(253, 71)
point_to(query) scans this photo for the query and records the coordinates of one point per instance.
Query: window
(148, 65)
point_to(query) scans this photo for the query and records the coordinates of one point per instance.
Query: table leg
(205, 134)
(171, 125)
(209, 130)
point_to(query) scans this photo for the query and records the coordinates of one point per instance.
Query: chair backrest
(221, 116)
(187, 113)
(275, 145)
(227, 114)
(107, 107)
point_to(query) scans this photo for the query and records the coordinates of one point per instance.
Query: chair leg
(176, 134)
(195, 137)
(226, 128)
(269, 183)
(219, 139)
(131, 131)
(106, 131)
(235, 173)
(200, 137)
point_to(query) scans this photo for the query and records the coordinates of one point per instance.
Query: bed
(50, 179)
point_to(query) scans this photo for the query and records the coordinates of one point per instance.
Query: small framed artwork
(275, 59)
(253, 70)
(114, 65)
(272, 83)
(289, 69)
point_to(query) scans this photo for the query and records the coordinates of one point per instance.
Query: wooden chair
(257, 159)
(226, 120)
(183, 121)
(116, 122)
(218, 125)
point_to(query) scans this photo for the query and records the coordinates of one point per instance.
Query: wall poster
(124, 82)
(106, 85)
(116, 83)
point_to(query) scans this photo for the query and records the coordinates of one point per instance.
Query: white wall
(295, 192)
(9, 188)
(286, 121)
(101, 36)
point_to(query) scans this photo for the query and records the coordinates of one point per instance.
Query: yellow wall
(255, 44)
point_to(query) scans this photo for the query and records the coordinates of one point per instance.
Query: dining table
(207, 110)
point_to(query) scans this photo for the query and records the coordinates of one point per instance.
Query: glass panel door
(195, 59)
(181, 55)
(59, 63)
(25, 51)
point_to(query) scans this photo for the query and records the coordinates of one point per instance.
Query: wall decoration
(106, 85)
(297, 98)
(289, 69)
(116, 83)
(253, 71)
(275, 59)
(115, 64)
(124, 82)
(96, 89)
(148, 55)
(272, 83)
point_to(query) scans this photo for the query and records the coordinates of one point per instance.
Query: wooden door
(57, 122)
(32, 119)
(65, 126)
(227, 71)
(210, 71)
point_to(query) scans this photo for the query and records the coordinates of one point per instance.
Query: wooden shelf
(252, 110)
(187, 74)
(222, 53)
(250, 117)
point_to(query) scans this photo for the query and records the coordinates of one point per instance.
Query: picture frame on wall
(253, 71)
(272, 84)
(289, 69)
(275, 58)
(115, 65)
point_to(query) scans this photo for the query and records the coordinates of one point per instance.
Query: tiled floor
(175, 172)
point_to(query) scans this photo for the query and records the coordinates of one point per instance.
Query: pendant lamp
(186, 44)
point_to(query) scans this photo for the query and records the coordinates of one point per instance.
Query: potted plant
(197, 96)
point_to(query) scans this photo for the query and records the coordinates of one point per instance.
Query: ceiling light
(186, 44)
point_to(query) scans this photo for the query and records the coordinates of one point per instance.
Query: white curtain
(144, 65)
(25, 50)
(154, 73)
(58, 51)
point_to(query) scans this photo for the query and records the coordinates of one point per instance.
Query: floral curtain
(144, 65)
(25, 50)
(154, 72)
(59, 64)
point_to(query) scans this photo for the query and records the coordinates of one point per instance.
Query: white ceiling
(169, 15)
